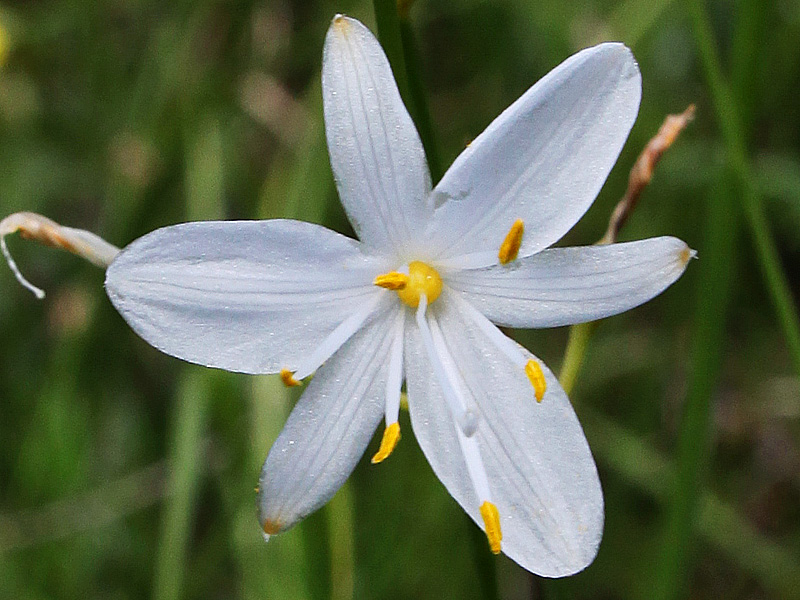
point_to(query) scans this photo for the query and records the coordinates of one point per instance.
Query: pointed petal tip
(339, 20)
(619, 51)
(271, 527)
(685, 255)
(342, 25)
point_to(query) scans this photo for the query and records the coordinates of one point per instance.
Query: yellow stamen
(510, 246)
(491, 522)
(534, 373)
(391, 435)
(392, 281)
(288, 378)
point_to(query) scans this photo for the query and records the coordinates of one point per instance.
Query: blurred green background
(125, 473)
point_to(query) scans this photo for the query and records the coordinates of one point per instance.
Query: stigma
(422, 279)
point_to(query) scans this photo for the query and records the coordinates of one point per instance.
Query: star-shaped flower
(418, 298)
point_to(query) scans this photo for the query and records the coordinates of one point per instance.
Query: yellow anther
(535, 374)
(491, 523)
(391, 435)
(422, 279)
(287, 377)
(392, 281)
(510, 246)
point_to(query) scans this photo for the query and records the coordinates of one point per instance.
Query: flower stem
(639, 179)
(577, 345)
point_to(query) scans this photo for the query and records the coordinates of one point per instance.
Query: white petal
(540, 470)
(376, 154)
(562, 286)
(544, 159)
(246, 296)
(330, 427)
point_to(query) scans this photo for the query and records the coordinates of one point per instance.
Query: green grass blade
(186, 458)
(420, 111)
(204, 184)
(715, 270)
(720, 525)
(734, 138)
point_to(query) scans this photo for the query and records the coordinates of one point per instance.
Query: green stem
(420, 111)
(204, 184)
(748, 35)
(342, 544)
(577, 345)
(733, 135)
(388, 22)
(715, 277)
(714, 286)
(186, 458)
(397, 38)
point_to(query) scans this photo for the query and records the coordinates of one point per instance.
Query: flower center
(421, 279)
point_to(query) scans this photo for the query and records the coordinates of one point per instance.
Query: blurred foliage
(127, 474)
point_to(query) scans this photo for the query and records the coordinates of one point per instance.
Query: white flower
(418, 298)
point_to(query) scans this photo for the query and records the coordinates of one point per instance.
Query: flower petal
(376, 154)
(562, 286)
(246, 296)
(540, 471)
(544, 159)
(330, 427)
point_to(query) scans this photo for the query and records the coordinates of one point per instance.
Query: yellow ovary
(421, 279)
